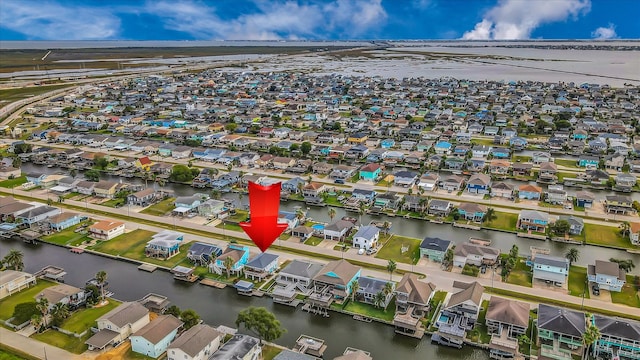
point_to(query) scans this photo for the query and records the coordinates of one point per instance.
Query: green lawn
(392, 250)
(239, 216)
(161, 208)
(124, 242)
(136, 252)
(269, 352)
(113, 203)
(470, 270)
(63, 341)
(313, 241)
(8, 304)
(605, 235)
(83, 319)
(522, 158)
(521, 274)
(15, 94)
(628, 295)
(66, 237)
(480, 333)
(566, 163)
(332, 201)
(131, 355)
(372, 311)
(10, 183)
(230, 227)
(503, 221)
(578, 281)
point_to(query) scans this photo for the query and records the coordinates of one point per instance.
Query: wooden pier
(309, 345)
(213, 283)
(147, 267)
(76, 250)
(467, 226)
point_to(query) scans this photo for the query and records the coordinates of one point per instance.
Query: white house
(118, 324)
(154, 338)
(197, 343)
(366, 237)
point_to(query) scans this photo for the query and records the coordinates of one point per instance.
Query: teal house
(370, 172)
(154, 338)
(334, 280)
(588, 161)
(239, 256)
(434, 248)
(619, 338)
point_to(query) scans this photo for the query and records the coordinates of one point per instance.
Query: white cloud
(49, 21)
(516, 19)
(605, 33)
(273, 19)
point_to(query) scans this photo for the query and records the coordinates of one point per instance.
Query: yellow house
(105, 189)
(357, 138)
(143, 163)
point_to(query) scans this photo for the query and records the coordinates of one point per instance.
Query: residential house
(9, 172)
(618, 338)
(37, 214)
(295, 278)
(506, 321)
(548, 172)
(460, 312)
(499, 167)
(618, 204)
(12, 281)
(239, 256)
(105, 189)
(614, 162)
(576, 224)
(144, 197)
(188, 204)
(312, 192)
(164, 244)
(261, 266)
(211, 208)
(588, 161)
(337, 230)
(634, 233)
(585, 199)
(405, 178)
(540, 157)
(522, 170)
(197, 343)
(625, 182)
(467, 253)
(239, 347)
(502, 189)
(452, 183)
(202, 253)
(85, 187)
(303, 232)
(369, 287)
(154, 338)
(342, 172)
(65, 294)
(366, 237)
(607, 274)
(412, 304)
(63, 220)
(106, 229)
(556, 194)
(550, 268)
(118, 324)
(434, 248)
(429, 182)
(560, 332)
(414, 203)
(479, 184)
(533, 220)
(529, 192)
(333, 282)
(472, 211)
(440, 207)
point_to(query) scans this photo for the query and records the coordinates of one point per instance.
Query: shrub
(23, 312)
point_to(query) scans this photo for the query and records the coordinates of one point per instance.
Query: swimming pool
(318, 227)
(444, 319)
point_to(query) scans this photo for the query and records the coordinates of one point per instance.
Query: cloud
(605, 33)
(273, 20)
(516, 19)
(50, 21)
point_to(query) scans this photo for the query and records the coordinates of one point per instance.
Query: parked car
(371, 251)
(595, 289)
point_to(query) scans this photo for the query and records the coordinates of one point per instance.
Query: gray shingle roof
(302, 268)
(561, 320)
(127, 313)
(195, 339)
(261, 261)
(436, 244)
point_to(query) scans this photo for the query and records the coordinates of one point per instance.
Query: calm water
(221, 306)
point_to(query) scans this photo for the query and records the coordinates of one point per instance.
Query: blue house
(387, 143)
(442, 147)
(585, 199)
(550, 268)
(336, 278)
(154, 338)
(587, 161)
(261, 266)
(238, 254)
(472, 211)
(63, 220)
(364, 195)
(370, 172)
(164, 244)
(479, 184)
(293, 185)
(607, 274)
(36, 178)
(500, 153)
(201, 253)
(518, 143)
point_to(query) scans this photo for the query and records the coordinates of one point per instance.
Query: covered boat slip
(184, 273)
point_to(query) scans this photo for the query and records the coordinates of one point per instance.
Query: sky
(318, 19)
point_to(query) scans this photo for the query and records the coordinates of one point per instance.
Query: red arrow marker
(263, 227)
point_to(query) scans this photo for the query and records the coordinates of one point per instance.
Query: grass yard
(372, 311)
(503, 221)
(313, 241)
(239, 216)
(269, 352)
(332, 201)
(66, 236)
(136, 252)
(628, 295)
(521, 274)
(15, 94)
(480, 333)
(566, 163)
(10, 183)
(160, 208)
(114, 203)
(392, 250)
(605, 235)
(82, 320)
(9, 353)
(230, 227)
(122, 243)
(63, 341)
(578, 281)
(521, 158)
(8, 304)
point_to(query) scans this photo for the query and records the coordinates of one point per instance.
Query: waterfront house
(451, 183)
(634, 233)
(472, 211)
(540, 157)
(560, 332)
(9, 172)
(143, 197)
(105, 189)
(37, 214)
(576, 224)
(533, 220)
(479, 184)
(588, 161)
(14, 208)
(467, 253)
(143, 163)
(585, 199)
(460, 312)
(118, 324)
(321, 168)
(62, 221)
(369, 287)
(596, 177)
(261, 266)
(332, 282)
(366, 237)
(342, 172)
(65, 294)
(12, 281)
(618, 204)
(313, 191)
(502, 189)
(499, 167)
(85, 187)
(239, 256)
(293, 185)
(211, 208)
(202, 253)
(607, 275)
(197, 343)
(164, 244)
(440, 207)
(337, 230)
(239, 347)
(288, 217)
(618, 338)
(370, 172)
(434, 248)
(506, 321)
(454, 163)
(412, 304)
(556, 194)
(414, 203)
(154, 338)
(188, 204)
(36, 178)
(405, 178)
(106, 229)
(429, 182)
(550, 268)
(529, 192)
(287, 354)
(625, 182)
(388, 200)
(295, 278)
(302, 232)
(548, 172)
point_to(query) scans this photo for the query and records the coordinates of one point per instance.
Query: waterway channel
(406, 227)
(222, 306)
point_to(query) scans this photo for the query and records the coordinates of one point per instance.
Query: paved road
(36, 348)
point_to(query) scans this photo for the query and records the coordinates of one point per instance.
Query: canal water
(220, 307)
(406, 227)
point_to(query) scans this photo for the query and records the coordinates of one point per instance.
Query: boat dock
(309, 345)
(362, 318)
(213, 283)
(76, 250)
(531, 236)
(466, 226)
(52, 273)
(29, 236)
(147, 267)
(477, 241)
(183, 273)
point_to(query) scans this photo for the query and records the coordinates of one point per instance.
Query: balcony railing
(559, 354)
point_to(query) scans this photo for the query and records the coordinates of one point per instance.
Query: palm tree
(590, 336)
(300, 214)
(101, 278)
(14, 260)
(490, 215)
(625, 227)
(572, 255)
(42, 305)
(388, 290)
(386, 226)
(448, 258)
(332, 213)
(361, 210)
(378, 299)
(36, 321)
(355, 286)
(391, 267)
(228, 265)
(59, 312)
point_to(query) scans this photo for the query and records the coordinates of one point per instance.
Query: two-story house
(239, 256)
(337, 230)
(529, 192)
(472, 254)
(369, 287)
(459, 313)
(261, 266)
(370, 172)
(118, 324)
(154, 338)
(479, 184)
(12, 281)
(533, 220)
(560, 332)
(506, 320)
(366, 237)
(434, 248)
(197, 343)
(550, 268)
(618, 338)
(607, 275)
(106, 229)
(618, 204)
(332, 283)
(412, 304)
(472, 211)
(293, 279)
(65, 294)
